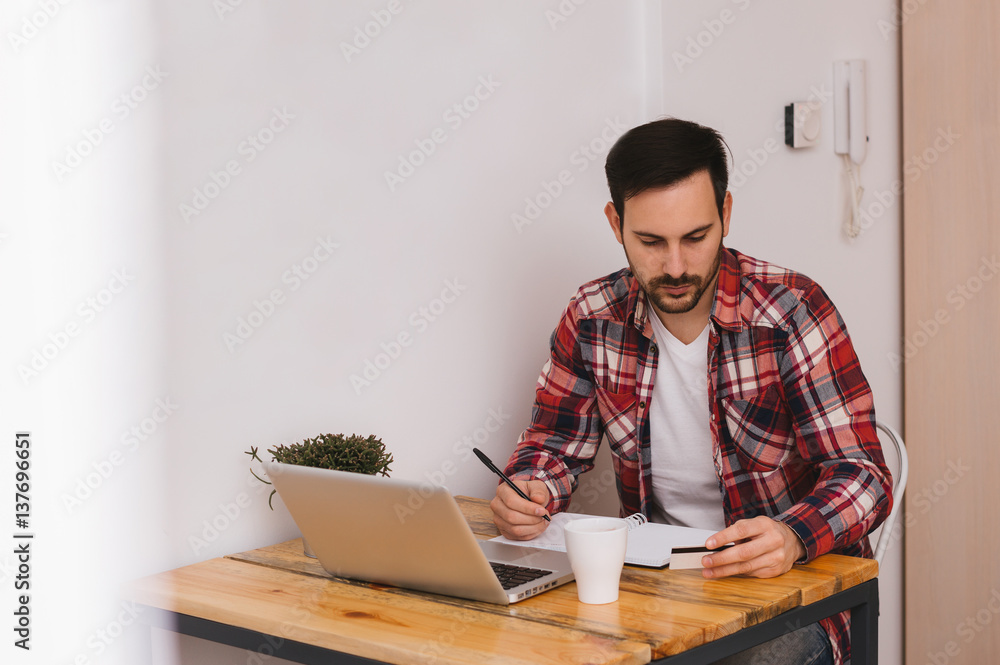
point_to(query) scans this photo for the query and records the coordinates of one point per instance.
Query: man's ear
(614, 221)
(727, 209)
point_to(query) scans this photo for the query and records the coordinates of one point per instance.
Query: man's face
(673, 242)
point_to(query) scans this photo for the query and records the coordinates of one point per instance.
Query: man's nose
(674, 264)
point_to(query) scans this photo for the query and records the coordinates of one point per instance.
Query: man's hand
(764, 548)
(516, 518)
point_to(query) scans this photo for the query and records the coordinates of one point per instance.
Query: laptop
(410, 535)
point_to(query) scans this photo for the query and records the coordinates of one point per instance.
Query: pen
(493, 467)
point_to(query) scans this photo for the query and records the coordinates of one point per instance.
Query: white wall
(556, 87)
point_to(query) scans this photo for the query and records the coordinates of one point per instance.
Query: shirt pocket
(761, 429)
(618, 414)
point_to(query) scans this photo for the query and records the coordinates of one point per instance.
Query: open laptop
(409, 535)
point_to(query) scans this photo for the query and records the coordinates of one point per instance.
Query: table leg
(864, 629)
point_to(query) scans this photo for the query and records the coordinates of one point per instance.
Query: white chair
(895, 458)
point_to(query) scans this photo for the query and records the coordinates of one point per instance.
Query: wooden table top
(279, 591)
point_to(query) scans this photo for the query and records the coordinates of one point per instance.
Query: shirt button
(642, 405)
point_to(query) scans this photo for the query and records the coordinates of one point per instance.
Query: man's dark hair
(662, 153)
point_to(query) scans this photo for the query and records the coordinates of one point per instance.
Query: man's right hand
(516, 518)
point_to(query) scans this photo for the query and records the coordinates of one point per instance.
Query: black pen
(493, 467)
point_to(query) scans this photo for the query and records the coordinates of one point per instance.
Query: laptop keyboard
(511, 576)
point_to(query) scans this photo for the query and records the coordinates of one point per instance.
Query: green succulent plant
(352, 453)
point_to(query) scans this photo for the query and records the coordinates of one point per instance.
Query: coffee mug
(596, 549)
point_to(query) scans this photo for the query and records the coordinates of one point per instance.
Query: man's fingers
(741, 530)
(520, 513)
(762, 550)
(755, 550)
(515, 525)
(732, 555)
(745, 551)
(516, 517)
(539, 495)
(762, 566)
(535, 507)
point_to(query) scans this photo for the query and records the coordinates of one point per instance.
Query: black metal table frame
(861, 600)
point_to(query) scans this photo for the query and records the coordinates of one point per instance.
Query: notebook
(408, 535)
(649, 544)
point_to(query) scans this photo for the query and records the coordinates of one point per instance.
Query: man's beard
(669, 304)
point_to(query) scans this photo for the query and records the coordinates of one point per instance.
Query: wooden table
(276, 601)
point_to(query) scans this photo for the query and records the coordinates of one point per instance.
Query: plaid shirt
(792, 416)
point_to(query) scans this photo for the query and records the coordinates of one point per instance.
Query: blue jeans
(806, 646)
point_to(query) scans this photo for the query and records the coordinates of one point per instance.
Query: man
(727, 388)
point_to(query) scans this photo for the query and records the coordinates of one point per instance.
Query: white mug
(596, 548)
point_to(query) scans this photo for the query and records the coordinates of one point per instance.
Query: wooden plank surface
(669, 623)
(366, 621)
(671, 611)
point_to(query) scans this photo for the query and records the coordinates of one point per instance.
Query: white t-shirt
(685, 482)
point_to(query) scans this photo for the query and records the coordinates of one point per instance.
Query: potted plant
(352, 453)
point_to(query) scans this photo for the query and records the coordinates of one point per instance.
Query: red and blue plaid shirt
(792, 416)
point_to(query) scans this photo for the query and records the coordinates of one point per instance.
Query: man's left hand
(764, 548)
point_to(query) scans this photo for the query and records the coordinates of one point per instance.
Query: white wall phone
(850, 129)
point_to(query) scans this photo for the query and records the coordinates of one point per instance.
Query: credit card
(683, 558)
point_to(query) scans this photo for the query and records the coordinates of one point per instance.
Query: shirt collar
(639, 308)
(725, 306)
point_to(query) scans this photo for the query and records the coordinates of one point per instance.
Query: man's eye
(649, 243)
(697, 238)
